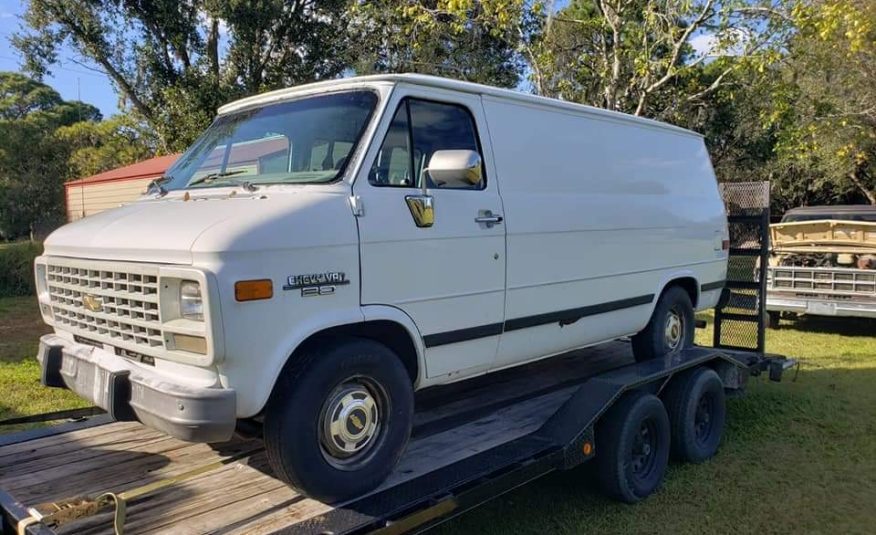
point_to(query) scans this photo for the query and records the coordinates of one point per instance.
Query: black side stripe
(562, 316)
(574, 314)
(462, 335)
(717, 285)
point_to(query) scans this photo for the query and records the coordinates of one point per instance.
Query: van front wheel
(339, 419)
(670, 329)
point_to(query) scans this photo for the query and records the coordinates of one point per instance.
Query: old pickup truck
(823, 263)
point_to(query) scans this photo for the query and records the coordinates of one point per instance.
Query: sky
(68, 78)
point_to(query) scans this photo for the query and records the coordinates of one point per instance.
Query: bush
(16, 268)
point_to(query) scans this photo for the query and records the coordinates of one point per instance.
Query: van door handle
(488, 218)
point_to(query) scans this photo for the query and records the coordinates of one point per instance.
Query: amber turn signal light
(253, 290)
(587, 448)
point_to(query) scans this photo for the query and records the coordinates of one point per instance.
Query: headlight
(191, 306)
(42, 290)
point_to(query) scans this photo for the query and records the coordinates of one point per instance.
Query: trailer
(471, 443)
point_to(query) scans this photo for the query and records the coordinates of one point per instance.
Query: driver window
(419, 129)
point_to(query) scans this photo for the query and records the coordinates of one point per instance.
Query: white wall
(94, 198)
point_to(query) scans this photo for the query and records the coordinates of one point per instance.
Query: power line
(87, 73)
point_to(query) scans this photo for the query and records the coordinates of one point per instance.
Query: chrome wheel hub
(350, 422)
(673, 332)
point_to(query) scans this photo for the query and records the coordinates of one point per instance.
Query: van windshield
(303, 141)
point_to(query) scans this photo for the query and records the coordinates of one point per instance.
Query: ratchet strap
(55, 514)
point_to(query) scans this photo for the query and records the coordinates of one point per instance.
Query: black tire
(697, 410)
(303, 452)
(625, 471)
(772, 319)
(652, 341)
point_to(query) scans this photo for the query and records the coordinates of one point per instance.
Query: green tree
(45, 141)
(97, 146)
(471, 40)
(829, 101)
(638, 56)
(32, 162)
(173, 63)
(22, 97)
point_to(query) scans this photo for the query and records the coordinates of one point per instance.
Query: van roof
(443, 83)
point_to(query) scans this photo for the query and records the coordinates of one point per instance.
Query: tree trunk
(213, 46)
(868, 192)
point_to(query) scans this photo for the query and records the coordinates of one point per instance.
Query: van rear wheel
(670, 329)
(339, 419)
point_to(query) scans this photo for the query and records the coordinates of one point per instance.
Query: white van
(322, 252)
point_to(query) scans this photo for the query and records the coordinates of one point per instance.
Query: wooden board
(451, 423)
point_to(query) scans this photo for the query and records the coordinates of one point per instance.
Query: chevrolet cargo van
(322, 252)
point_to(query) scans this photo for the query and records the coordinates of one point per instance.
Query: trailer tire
(670, 329)
(697, 412)
(632, 447)
(773, 318)
(339, 418)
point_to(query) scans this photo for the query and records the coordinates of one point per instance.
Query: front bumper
(820, 307)
(131, 393)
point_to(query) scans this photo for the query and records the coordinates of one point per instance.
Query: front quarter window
(303, 141)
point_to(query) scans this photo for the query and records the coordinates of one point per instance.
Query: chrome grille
(123, 299)
(823, 281)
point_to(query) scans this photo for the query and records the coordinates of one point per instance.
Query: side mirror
(422, 209)
(455, 168)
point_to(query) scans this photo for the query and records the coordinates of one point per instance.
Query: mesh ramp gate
(739, 324)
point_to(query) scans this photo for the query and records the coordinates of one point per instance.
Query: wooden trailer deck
(242, 496)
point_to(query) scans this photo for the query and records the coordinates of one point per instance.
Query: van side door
(448, 275)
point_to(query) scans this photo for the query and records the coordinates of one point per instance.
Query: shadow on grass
(830, 325)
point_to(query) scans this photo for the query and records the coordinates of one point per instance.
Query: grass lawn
(797, 456)
(20, 328)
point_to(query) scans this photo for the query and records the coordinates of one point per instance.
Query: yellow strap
(121, 510)
(22, 525)
(161, 483)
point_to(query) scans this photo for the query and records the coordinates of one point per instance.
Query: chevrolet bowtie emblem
(92, 302)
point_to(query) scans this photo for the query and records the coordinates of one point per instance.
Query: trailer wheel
(697, 412)
(632, 447)
(772, 319)
(339, 418)
(670, 329)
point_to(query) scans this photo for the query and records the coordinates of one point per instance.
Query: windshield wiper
(157, 186)
(210, 177)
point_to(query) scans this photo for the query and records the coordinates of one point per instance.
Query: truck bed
(452, 423)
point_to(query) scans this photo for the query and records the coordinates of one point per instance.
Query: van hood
(172, 230)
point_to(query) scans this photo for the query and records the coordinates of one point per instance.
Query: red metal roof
(153, 167)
